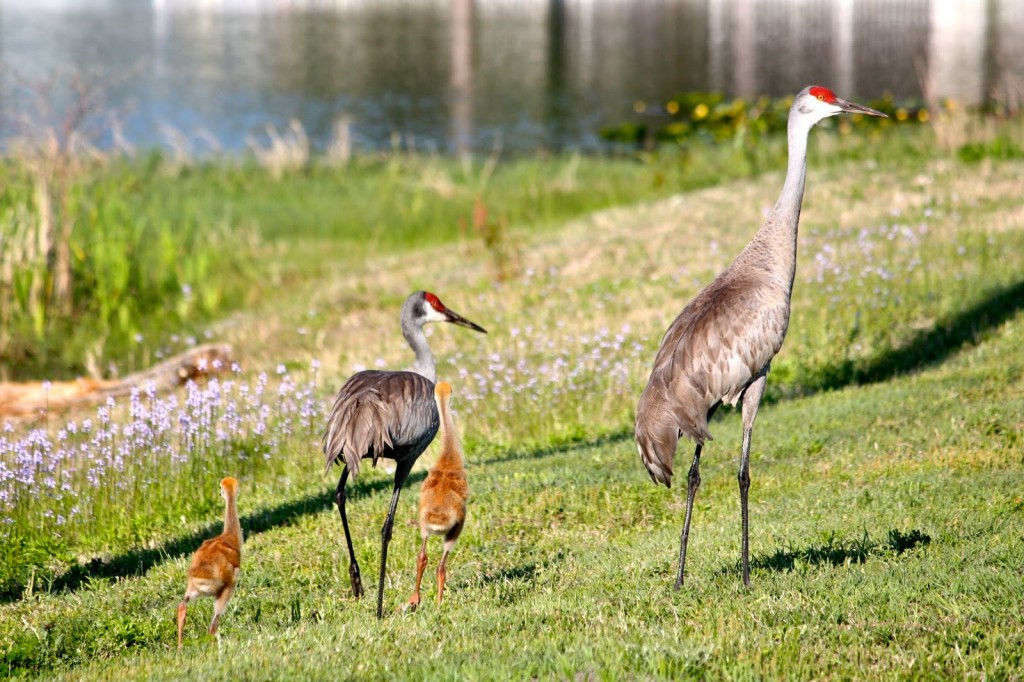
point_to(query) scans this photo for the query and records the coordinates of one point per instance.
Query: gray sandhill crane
(388, 414)
(720, 346)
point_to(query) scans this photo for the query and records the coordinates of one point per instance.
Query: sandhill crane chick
(388, 414)
(215, 565)
(721, 345)
(442, 497)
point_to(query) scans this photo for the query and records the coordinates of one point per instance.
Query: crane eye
(821, 97)
(434, 302)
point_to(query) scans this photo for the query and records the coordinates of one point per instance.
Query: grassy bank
(881, 550)
(158, 250)
(886, 508)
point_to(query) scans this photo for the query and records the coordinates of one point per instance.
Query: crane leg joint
(693, 480)
(744, 479)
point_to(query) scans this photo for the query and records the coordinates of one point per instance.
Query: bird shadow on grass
(515, 454)
(838, 551)
(512, 584)
(136, 562)
(927, 347)
(518, 581)
(527, 571)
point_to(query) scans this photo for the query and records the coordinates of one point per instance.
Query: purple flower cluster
(871, 287)
(149, 448)
(867, 260)
(539, 379)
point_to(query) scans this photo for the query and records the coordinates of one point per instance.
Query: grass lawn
(887, 497)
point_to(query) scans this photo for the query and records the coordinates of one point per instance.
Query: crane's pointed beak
(854, 108)
(453, 317)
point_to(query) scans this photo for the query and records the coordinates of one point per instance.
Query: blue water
(544, 75)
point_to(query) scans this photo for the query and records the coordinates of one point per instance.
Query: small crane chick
(442, 497)
(215, 565)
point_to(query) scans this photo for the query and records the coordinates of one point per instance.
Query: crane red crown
(434, 301)
(824, 94)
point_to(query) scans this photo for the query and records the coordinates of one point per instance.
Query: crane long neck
(231, 525)
(451, 454)
(792, 195)
(773, 248)
(424, 364)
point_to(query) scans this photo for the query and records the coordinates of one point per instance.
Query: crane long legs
(385, 533)
(421, 565)
(353, 565)
(692, 483)
(751, 401)
(442, 571)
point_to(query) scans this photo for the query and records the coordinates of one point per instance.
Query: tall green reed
(138, 272)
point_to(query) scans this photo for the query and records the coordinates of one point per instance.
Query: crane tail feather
(660, 421)
(656, 452)
(657, 433)
(359, 426)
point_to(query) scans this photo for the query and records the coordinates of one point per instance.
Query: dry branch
(30, 399)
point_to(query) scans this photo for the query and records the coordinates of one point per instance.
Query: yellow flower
(672, 107)
(639, 106)
(700, 111)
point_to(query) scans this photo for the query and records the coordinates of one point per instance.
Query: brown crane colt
(215, 565)
(442, 497)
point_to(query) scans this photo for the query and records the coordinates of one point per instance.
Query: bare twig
(28, 400)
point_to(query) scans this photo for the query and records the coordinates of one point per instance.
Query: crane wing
(380, 414)
(736, 344)
(712, 351)
(723, 339)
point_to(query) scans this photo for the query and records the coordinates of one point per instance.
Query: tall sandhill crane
(215, 565)
(388, 414)
(721, 345)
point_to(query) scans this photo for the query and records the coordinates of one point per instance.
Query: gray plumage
(720, 347)
(721, 341)
(388, 414)
(381, 414)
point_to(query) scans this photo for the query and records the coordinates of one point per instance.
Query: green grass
(885, 544)
(160, 251)
(886, 508)
(140, 273)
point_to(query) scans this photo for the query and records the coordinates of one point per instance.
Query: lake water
(445, 74)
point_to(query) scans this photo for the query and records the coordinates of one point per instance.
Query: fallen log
(25, 400)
